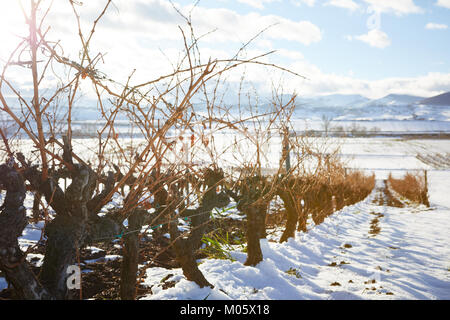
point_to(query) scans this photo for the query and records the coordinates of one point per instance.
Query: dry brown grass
(412, 187)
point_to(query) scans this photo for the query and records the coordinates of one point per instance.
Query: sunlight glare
(12, 27)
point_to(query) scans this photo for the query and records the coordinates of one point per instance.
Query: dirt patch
(375, 228)
(384, 197)
(335, 284)
(378, 199)
(333, 264)
(370, 281)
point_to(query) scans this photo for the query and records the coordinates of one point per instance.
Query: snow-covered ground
(372, 154)
(339, 259)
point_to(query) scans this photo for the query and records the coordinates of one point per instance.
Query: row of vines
(163, 178)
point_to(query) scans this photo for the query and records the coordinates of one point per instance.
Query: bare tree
(326, 123)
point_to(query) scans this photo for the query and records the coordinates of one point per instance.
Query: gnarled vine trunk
(291, 213)
(185, 246)
(12, 222)
(128, 275)
(73, 226)
(256, 216)
(68, 231)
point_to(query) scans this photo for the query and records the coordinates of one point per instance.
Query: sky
(367, 47)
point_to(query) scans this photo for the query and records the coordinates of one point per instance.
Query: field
(368, 250)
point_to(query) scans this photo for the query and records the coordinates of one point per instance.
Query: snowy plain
(339, 259)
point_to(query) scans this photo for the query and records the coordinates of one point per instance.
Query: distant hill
(396, 100)
(350, 100)
(333, 100)
(439, 100)
(333, 106)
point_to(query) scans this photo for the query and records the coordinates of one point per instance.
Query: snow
(108, 257)
(408, 259)
(439, 186)
(32, 233)
(230, 212)
(94, 250)
(35, 259)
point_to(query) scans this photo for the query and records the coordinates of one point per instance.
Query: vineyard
(438, 161)
(205, 196)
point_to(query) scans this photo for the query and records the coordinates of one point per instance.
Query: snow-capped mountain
(331, 106)
(390, 107)
(334, 100)
(336, 106)
(439, 100)
(395, 100)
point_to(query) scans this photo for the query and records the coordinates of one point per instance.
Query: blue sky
(414, 50)
(368, 47)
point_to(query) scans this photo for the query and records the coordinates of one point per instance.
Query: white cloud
(156, 20)
(443, 3)
(258, 4)
(303, 32)
(298, 3)
(320, 82)
(144, 35)
(265, 44)
(398, 7)
(293, 55)
(346, 4)
(435, 26)
(375, 38)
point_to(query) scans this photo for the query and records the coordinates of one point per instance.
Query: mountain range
(390, 107)
(439, 100)
(336, 106)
